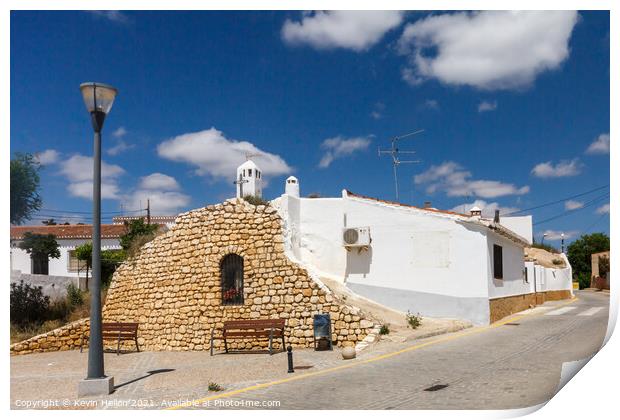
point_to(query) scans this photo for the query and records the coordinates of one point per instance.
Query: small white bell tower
(249, 180)
(292, 187)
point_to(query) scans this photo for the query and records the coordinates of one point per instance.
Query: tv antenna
(395, 152)
(250, 155)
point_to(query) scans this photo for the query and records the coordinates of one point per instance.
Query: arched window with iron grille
(231, 269)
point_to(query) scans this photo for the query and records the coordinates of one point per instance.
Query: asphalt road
(514, 365)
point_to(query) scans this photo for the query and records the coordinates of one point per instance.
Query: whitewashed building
(423, 260)
(68, 237)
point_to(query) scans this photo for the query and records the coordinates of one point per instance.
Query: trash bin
(322, 332)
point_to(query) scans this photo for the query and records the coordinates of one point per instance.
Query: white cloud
(488, 209)
(377, 112)
(78, 169)
(84, 189)
(455, 181)
(215, 155)
(338, 147)
(350, 29)
(486, 106)
(431, 104)
(161, 202)
(563, 168)
(47, 157)
(573, 205)
(159, 181)
(486, 50)
(119, 132)
(111, 15)
(600, 145)
(119, 148)
(555, 235)
(604, 209)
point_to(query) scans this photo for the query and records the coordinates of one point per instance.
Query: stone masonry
(173, 286)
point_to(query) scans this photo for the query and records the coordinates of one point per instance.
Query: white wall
(513, 281)
(548, 279)
(314, 226)
(521, 225)
(20, 259)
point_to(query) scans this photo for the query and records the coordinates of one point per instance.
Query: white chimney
(292, 187)
(475, 211)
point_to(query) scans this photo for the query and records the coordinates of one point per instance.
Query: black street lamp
(98, 99)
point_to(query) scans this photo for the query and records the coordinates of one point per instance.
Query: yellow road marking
(362, 362)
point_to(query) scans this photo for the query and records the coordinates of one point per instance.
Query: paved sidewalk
(162, 377)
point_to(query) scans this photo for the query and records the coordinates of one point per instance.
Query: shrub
(256, 200)
(557, 261)
(413, 321)
(385, 329)
(603, 266)
(584, 280)
(215, 387)
(75, 297)
(28, 304)
(314, 195)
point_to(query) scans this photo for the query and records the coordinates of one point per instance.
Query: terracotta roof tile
(68, 231)
(395, 203)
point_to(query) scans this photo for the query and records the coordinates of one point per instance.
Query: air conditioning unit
(356, 237)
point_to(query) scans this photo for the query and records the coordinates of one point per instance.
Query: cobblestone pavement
(509, 366)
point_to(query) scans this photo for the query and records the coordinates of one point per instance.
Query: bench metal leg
(118, 346)
(137, 346)
(283, 343)
(225, 345)
(271, 342)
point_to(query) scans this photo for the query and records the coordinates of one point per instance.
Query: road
(509, 366)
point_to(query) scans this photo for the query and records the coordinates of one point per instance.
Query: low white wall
(549, 279)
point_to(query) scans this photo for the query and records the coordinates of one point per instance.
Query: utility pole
(148, 211)
(395, 152)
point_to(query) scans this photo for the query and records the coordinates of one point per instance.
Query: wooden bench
(120, 331)
(271, 328)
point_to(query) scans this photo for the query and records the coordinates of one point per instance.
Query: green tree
(84, 252)
(110, 259)
(25, 199)
(137, 232)
(41, 248)
(580, 255)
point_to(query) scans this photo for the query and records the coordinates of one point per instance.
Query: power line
(568, 212)
(89, 212)
(558, 201)
(587, 230)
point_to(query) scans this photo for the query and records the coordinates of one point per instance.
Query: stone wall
(67, 337)
(173, 287)
(505, 306)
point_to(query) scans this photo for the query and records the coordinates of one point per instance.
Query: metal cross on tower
(395, 152)
(240, 182)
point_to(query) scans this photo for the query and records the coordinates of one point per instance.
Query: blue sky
(515, 107)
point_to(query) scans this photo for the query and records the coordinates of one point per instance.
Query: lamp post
(562, 242)
(543, 239)
(98, 99)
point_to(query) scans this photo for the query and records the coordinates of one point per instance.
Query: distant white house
(68, 237)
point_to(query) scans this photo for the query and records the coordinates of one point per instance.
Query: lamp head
(98, 98)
